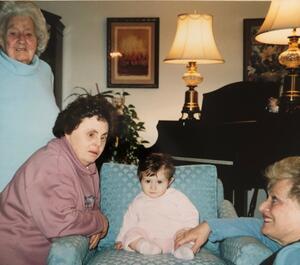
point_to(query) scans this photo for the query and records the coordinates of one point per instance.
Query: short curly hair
(9, 9)
(153, 162)
(287, 168)
(85, 106)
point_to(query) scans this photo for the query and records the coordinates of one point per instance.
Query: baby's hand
(118, 245)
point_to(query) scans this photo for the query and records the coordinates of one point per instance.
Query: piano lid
(240, 102)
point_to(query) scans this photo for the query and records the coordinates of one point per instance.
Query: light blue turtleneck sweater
(27, 112)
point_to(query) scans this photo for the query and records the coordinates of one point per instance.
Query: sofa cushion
(120, 184)
(110, 256)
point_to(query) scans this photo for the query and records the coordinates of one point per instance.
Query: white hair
(9, 9)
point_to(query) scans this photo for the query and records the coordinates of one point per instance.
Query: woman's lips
(95, 153)
(267, 219)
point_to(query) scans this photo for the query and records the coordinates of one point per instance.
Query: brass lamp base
(192, 78)
(290, 97)
(190, 110)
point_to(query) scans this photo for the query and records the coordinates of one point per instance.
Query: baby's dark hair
(85, 106)
(153, 163)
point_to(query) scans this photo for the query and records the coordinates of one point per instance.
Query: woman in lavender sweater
(55, 192)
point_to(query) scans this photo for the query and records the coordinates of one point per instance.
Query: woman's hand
(94, 239)
(118, 245)
(198, 235)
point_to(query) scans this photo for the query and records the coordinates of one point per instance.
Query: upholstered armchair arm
(240, 250)
(68, 250)
(226, 210)
(244, 250)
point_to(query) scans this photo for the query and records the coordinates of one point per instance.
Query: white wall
(85, 49)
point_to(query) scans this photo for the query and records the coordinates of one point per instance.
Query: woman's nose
(21, 37)
(265, 205)
(97, 141)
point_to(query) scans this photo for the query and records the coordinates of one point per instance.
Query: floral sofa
(119, 185)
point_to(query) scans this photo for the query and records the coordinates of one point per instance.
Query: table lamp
(282, 26)
(193, 44)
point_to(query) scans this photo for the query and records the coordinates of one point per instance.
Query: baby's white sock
(147, 248)
(184, 252)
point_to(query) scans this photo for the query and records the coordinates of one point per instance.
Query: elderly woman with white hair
(279, 229)
(27, 104)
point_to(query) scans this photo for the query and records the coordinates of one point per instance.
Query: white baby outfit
(158, 219)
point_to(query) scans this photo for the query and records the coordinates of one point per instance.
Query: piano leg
(225, 175)
(253, 203)
(240, 201)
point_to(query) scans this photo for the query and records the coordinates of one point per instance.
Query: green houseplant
(128, 144)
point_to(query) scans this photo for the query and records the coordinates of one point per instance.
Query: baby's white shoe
(147, 248)
(184, 252)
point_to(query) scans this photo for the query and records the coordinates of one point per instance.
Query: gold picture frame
(132, 52)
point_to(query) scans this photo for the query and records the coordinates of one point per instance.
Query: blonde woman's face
(21, 40)
(281, 214)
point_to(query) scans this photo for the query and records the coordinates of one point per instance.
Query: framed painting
(132, 52)
(260, 60)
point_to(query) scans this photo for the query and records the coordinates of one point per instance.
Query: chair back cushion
(119, 185)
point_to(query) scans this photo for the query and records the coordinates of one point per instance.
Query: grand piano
(238, 134)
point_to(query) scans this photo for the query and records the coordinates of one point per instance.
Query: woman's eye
(147, 181)
(274, 200)
(159, 182)
(29, 35)
(12, 33)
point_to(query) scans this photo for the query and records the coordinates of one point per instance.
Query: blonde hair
(9, 9)
(287, 168)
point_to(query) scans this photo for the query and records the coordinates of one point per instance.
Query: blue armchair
(119, 185)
